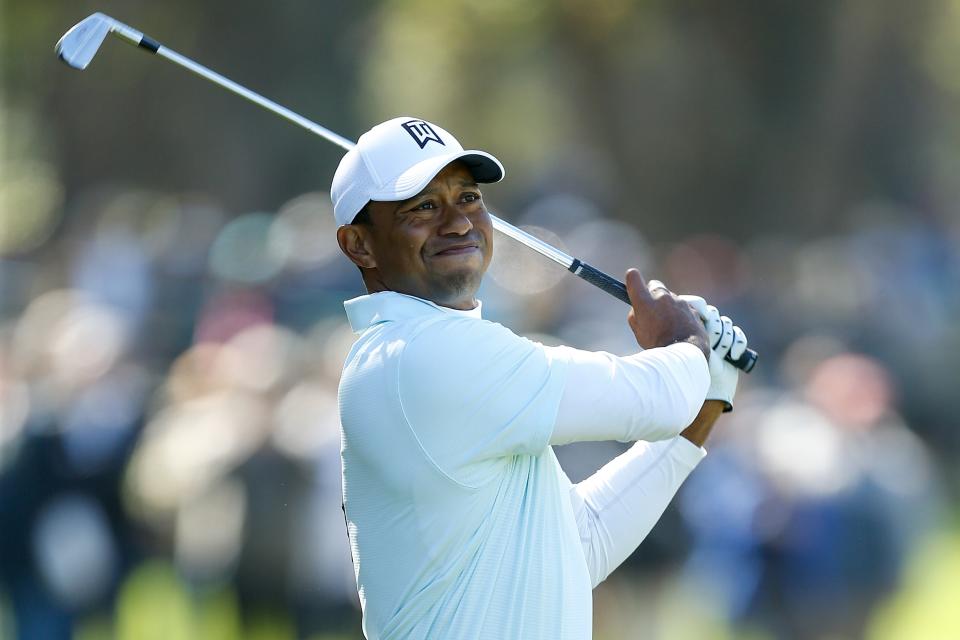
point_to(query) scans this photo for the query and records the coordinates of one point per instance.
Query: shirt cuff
(687, 453)
(688, 350)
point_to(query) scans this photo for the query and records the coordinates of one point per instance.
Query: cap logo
(422, 132)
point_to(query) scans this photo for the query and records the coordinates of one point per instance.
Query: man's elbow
(678, 402)
(681, 410)
(689, 384)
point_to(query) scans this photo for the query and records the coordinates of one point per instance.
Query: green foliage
(926, 606)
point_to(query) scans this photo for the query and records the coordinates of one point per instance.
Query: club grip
(746, 362)
(599, 279)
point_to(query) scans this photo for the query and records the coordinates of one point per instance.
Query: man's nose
(455, 221)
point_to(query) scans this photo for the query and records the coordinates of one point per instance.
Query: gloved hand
(724, 338)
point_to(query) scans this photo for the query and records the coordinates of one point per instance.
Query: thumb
(637, 288)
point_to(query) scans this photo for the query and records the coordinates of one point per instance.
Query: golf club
(80, 44)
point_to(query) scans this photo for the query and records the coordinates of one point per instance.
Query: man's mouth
(458, 249)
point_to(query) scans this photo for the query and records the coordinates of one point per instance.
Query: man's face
(436, 245)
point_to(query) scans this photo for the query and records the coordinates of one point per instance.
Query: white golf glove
(724, 338)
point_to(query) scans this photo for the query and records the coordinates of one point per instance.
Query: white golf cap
(395, 160)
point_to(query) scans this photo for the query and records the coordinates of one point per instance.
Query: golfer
(461, 522)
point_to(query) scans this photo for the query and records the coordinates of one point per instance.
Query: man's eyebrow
(426, 192)
(401, 204)
(429, 191)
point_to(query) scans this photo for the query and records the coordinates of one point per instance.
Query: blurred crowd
(169, 451)
(171, 339)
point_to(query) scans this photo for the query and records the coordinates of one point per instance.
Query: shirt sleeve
(474, 394)
(651, 395)
(618, 506)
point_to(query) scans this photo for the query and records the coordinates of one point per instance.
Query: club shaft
(254, 97)
(135, 37)
(579, 268)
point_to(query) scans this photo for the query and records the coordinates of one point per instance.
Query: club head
(78, 45)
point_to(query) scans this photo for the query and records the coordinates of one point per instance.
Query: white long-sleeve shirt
(462, 523)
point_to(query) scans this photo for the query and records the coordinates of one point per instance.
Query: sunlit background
(172, 331)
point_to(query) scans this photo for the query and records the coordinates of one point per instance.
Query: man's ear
(356, 244)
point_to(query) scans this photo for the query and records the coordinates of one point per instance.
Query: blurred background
(172, 331)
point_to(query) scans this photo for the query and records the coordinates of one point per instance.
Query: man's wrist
(702, 425)
(701, 343)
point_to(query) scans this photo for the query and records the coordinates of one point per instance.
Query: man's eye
(423, 206)
(471, 197)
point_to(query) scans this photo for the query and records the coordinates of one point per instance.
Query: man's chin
(457, 286)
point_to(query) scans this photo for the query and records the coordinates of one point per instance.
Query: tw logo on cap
(422, 132)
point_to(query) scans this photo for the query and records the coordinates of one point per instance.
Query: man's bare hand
(658, 318)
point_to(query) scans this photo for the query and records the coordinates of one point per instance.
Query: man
(461, 522)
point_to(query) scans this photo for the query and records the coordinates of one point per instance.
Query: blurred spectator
(172, 331)
(811, 503)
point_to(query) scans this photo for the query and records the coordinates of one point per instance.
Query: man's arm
(651, 395)
(700, 429)
(619, 505)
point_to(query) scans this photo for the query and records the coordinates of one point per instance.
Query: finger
(714, 326)
(636, 287)
(726, 341)
(656, 285)
(739, 343)
(697, 303)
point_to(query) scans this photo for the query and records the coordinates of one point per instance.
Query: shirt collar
(384, 306)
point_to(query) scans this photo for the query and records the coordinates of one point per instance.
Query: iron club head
(78, 45)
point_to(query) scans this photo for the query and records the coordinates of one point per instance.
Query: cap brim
(484, 167)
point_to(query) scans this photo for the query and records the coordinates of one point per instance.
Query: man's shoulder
(458, 333)
(440, 339)
(442, 343)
